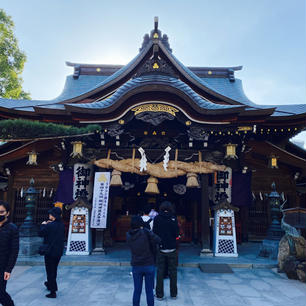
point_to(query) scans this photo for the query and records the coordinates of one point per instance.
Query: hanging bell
(192, 180)
(152, 185)
(116, 178)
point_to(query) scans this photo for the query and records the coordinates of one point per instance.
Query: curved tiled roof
(230, 89)
(73, 88)
(233, 90)
(154, 79)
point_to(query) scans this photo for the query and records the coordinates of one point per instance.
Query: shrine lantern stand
(225, 243)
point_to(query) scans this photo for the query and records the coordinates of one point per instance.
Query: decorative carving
(197, 133)
(156, 34)
(154, 118)
(165, 41)
(115, 130)
(146, 40)
(155, 108)
(154, 65)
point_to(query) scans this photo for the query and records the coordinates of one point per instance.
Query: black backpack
(146, 224)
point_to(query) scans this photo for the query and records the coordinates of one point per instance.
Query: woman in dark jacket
(53, 232)
(142, 243)
(9, 248)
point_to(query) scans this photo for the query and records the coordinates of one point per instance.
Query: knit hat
(136, 222)
(55, 212)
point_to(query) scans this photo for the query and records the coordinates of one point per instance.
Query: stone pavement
(113, 286)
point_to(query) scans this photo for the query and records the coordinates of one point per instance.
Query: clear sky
(267, 37)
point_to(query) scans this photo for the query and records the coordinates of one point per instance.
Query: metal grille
(258, 220)
(77, 246)
(225, 246)
(43, 204)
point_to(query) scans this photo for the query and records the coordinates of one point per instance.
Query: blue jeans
(148, 273)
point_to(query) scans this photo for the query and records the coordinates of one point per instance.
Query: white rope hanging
(166, 158)
(143, 160)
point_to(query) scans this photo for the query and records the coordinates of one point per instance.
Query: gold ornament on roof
(155, 66)
(245, 128)
(155, 108)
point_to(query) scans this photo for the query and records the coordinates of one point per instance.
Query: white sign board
(225, 233)
(100, 200)
(79, 238)
(82, 181)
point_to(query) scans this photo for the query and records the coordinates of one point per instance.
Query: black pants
(162, 260)
(51, 264)
(5, 298)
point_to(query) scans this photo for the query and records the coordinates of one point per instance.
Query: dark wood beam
(205, 230)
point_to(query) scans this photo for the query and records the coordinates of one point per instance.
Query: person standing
(166, 227)
(153, 213)
(148, 221)
(53, 232)
(142, 243)
(9, 248)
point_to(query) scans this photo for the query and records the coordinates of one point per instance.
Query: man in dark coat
(166, 227)
(53, 232)
(9, 248)
(142, 243)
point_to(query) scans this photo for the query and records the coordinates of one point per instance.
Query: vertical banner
(100, 200)
(82, 181)
(223, 185)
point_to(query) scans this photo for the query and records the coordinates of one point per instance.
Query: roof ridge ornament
(155, 35)
(156, 23)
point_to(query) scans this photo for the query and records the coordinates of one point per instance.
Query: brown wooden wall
(44, 178)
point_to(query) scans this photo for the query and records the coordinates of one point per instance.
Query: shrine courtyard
(113, 285)
(106, 280)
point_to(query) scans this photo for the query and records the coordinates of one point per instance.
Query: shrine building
(164, 131)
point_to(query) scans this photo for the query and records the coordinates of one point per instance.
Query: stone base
(29, 245)
(98, 251)
(269, 248)
(206, 252)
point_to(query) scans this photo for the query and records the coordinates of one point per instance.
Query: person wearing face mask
(9, 248)
(53, 232)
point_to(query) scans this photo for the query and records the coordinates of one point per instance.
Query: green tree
(12, 61)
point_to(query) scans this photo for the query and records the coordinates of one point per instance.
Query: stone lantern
(269, 247)
(28, 228)
(29, 240)
(275, 231)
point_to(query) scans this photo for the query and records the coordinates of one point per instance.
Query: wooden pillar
(99, 238)
(205, 230)
(195, 206)
(11, 195)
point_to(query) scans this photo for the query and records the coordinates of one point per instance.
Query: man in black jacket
(166, 227)
(53, 232)
(9, 248)
(142, 243)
